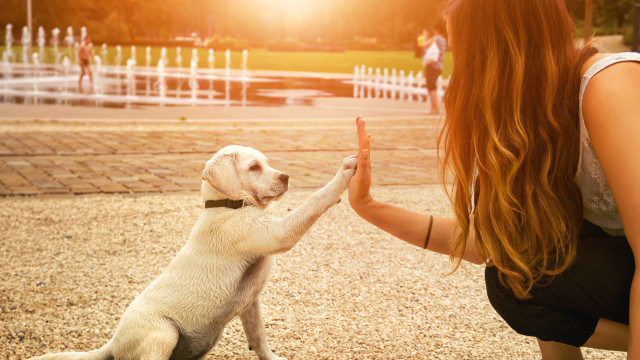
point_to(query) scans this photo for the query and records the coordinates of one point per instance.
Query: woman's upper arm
(611, 109)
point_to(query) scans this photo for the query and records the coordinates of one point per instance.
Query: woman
(432, 62)
(541, 141)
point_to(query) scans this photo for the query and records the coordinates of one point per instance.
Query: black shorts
(567, 310)
(84, 62)
(431, 75)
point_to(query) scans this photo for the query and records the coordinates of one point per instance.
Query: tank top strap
(603, 64)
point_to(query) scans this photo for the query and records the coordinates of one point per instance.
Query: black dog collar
(228, 203)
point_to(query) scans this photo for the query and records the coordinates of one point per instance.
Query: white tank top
(599, 205)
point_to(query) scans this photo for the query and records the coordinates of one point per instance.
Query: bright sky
(291, 5)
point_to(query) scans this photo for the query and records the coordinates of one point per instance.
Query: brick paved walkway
(76, 157)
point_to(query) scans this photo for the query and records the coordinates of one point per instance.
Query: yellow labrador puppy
(224, 265)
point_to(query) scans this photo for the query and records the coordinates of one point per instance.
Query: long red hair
(512, 127)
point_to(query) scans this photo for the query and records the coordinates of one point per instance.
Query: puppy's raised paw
(349, 165)
(350, 162)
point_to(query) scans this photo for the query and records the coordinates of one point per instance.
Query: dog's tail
(104, 353)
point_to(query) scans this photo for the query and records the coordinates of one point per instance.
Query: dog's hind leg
(158, 343)
(256, 333)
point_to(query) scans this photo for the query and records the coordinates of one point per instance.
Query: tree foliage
(258, 21)
(395, 23)
(610, 16)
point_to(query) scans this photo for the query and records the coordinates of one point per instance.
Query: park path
(71, 154)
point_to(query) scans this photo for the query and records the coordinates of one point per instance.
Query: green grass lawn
(322, 62)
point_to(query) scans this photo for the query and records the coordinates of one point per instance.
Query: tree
(333, 21)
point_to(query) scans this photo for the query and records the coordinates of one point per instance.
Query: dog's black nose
(284, 178)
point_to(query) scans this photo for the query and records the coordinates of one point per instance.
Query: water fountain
(148, 69)
(245, 58)
(42, 40)
(193, 81)
(8, 42)
(6, 65)
(162, 85)
(130, 81)
(66, 64)
(118, 60)
(212, 61)
(104, 53)
(33, 82)
(83, 34)
(97, 77)
(36, 75)
(133, 55)
(194, 56)
(227, 75)
(163, 56)
(26, 43)
(55, 33)
(69, 40)
(193, 76)
(179, 71)
(6, 71)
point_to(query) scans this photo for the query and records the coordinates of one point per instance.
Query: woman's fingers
(364, 165)
(361, 181)
(363, 137)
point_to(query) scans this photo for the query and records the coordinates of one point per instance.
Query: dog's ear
(221, 172)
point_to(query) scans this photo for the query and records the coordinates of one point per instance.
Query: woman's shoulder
(610, 75)
(613, 86)
(592, 61)
(600, 62)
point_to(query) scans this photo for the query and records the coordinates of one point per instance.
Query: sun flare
(287, 5)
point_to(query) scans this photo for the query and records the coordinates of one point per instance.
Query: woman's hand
(360, 183)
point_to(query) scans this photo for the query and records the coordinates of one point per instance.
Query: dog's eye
(255, 167)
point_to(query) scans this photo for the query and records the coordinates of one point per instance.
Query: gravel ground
(69, 267)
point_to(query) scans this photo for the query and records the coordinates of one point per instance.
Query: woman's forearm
(413, 228)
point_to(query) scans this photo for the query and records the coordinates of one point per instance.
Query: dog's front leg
(256, 333)
(281, 235)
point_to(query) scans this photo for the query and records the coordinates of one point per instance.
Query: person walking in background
(85, 52)
(420, 41)
(539, 150)
(432, 61)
